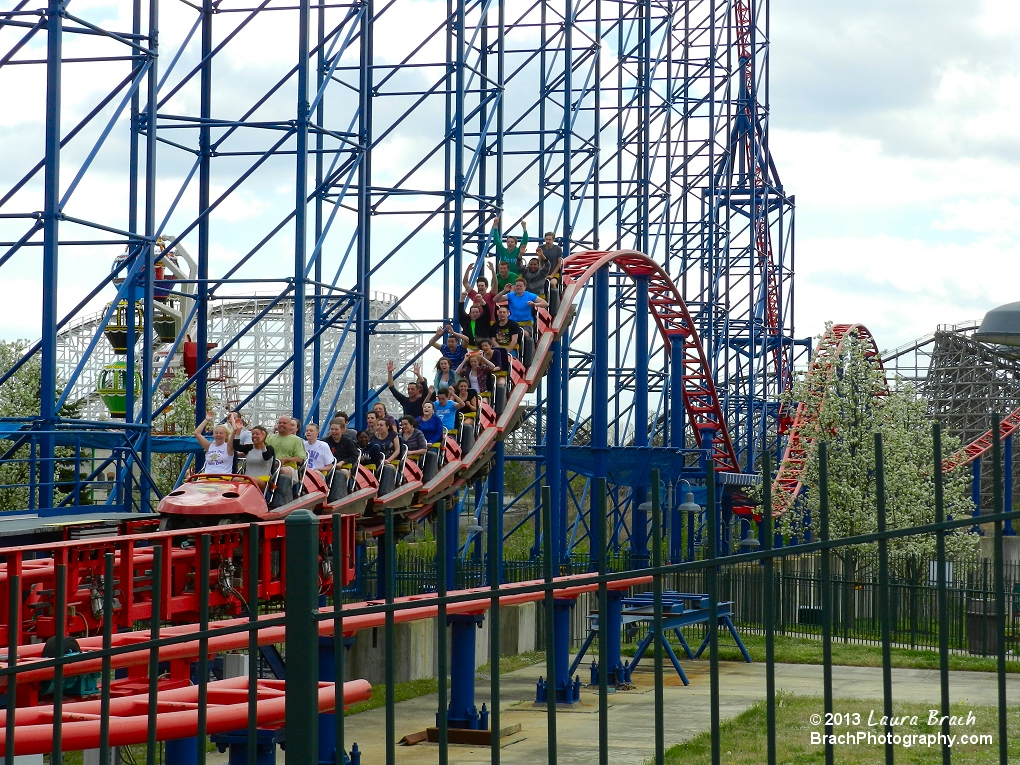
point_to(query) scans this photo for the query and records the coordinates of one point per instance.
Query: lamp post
(689, 510)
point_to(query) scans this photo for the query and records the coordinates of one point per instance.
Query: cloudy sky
(895, 124)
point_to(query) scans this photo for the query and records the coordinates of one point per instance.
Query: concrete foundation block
(1010, 546)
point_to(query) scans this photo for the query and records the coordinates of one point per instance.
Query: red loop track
(800, 443)
(675, 325)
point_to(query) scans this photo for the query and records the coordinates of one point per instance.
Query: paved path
(631, 712)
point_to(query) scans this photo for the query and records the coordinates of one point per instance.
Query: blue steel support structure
(600, 393)
(639, 530)
(659, 146)
(677, 440)
(204, 199)
(300, 208)
(366, 89)
(51, 235)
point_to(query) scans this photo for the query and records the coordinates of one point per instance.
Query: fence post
(302, 644)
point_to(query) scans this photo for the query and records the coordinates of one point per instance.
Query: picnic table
(679, 610)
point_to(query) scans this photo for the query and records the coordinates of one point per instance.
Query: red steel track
(982, 444)
(228, 699)
(177, 716)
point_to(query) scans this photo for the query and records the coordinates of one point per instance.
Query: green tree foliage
(852, 406)
(20, 397)
(178, 419)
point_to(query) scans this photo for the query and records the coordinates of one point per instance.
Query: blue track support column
(148, 373)
(563, 377)
(611, 634)
(50, 255)
(300, 211)
(536, 548)
(567, 689)
(181, 751)
(366, 85)
(975, 489)
(1007, 476)
(204, 201)
(265, 746)
(676, 441)
(600, 406)
(327, 722)
(639, 516)
(462, 712)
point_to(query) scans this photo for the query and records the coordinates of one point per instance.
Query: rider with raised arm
(510, 253)
(219, 453)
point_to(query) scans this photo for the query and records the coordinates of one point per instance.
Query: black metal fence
(797, 594)
(912, 589)
(780, 590)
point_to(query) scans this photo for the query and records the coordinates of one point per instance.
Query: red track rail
(762, 235)
(675, 325)
(82, 565)
(426, 607)
(175, 688)
(226, 710)
(982, 444)
(800, 445)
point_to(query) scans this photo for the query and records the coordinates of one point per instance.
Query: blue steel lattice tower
(306, 160)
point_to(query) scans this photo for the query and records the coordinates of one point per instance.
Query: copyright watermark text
(876, 729)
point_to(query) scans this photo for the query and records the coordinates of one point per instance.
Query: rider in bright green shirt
(512, 251)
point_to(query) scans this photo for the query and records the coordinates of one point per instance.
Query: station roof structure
(1001, 326)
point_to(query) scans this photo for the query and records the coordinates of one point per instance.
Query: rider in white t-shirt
(320, 456)
(219, 453)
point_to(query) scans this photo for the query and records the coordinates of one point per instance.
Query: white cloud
(899, 288)
(894, 126)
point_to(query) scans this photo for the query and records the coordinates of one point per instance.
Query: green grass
(424, 686)
(743, 740)
(795, 650)
(404, 691)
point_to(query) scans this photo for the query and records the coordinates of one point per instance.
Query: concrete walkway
(631, 712)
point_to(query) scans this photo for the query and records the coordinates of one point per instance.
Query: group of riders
(474, 362)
